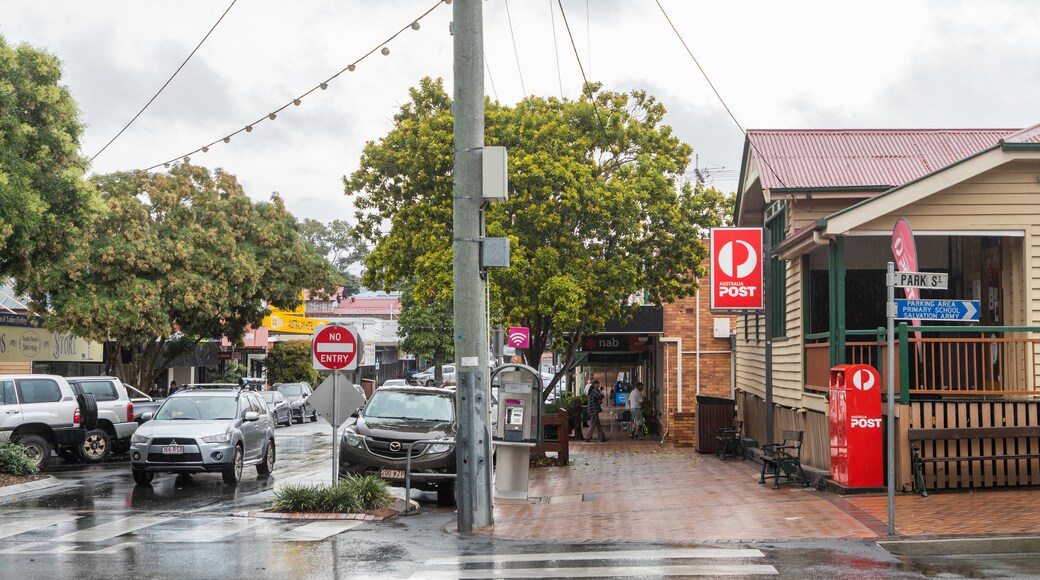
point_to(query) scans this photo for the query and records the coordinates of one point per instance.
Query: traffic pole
(335, 421)
(473, 448)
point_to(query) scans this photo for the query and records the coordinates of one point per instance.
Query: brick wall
(684, 429)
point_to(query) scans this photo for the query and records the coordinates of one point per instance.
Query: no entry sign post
(335, 348)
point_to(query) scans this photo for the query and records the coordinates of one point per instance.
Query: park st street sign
(927, 280)
(966, 310)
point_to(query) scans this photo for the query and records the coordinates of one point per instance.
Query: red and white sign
(736, 269)
(856, 426)
(905, 252)
(335, 348)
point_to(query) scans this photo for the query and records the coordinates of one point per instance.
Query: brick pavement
(640, 491)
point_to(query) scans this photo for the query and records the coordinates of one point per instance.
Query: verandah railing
(945, 360)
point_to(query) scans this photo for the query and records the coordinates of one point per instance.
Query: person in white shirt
(634, 403)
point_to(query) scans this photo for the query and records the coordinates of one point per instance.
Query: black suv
(375, 440)
(300, 409)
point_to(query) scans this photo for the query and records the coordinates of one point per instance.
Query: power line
(516, 54)
(580, 67)
(490, 78)
(556, 47)
(110, 141)
(381, 47)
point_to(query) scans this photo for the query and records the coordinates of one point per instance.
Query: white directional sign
(967, 310)
(935, 281)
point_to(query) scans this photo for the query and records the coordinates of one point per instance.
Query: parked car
(428, 377)
(115, 422)
(375, 440)
(279, 407)
(143, 403)
(395, 383)
(42, 414)
(297, 394)
(200, 430)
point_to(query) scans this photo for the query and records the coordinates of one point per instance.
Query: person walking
(635, 407)
(595, 406)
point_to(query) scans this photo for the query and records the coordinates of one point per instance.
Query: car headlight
(135, 438)
(440, 447)
(221, 438)
(352, 438)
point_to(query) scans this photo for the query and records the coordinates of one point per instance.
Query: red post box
(856, 430)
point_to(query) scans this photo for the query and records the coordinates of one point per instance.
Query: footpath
(642, 491)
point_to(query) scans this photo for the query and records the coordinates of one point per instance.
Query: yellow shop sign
(289, 323)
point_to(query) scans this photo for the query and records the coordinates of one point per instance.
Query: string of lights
(381, 48)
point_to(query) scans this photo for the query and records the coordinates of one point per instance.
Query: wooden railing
(945, 360)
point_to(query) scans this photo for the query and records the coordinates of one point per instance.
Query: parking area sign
(335, 348)
(736, 269)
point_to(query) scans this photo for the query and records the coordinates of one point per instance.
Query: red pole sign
(736, 269)
(335, 348)
(905, 252)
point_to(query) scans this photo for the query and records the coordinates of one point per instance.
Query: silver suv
(218, 428)
(42, 413)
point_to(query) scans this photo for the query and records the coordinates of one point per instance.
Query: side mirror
(147, 416)
(357, 413)
(252, 416)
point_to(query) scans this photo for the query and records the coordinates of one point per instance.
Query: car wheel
(142, 477)
(314, 415)
(429, 383)
(266, 466)
(288, 419)
(233, 472)
(446, 493)
(37, 449)
(88, 414)
(96, 447)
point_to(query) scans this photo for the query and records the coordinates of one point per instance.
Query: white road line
(112, 529)
(48, 548)
(13, 527)
(608, 572)
(316, 531)
(618, 555)
(211, 532)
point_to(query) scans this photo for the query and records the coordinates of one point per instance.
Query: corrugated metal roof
(1030, 135)
(862, 158)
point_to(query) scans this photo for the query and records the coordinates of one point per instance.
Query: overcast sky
(778, 65)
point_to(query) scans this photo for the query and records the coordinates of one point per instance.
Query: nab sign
(736, 269)
(336, 348)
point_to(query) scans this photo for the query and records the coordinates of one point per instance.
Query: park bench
(919, 457)
(730, 440)
(784, 461)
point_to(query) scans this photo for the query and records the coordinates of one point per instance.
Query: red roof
(865, 158)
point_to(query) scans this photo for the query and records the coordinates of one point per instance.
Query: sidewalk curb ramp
(960, 546)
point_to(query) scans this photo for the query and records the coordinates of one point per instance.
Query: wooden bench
(730, 440)
(784, 461)
(918, 437)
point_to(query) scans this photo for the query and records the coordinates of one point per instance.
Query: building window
(776, 302)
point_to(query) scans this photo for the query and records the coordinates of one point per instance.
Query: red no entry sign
(335, 348)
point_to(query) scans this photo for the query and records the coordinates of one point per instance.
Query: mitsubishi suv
(216, 428)
(376, 439)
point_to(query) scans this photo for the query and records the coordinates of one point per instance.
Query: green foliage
(289, 361)
(427, 323)
(233, 370)
(14, 461)
(335, 242)
(599, 210)
(350, 494)
(186, 250)
(46, 205)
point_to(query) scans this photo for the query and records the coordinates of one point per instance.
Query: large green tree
(290, 361)
(334, 241)
(181, 253)
(599, 214)
(45, 202)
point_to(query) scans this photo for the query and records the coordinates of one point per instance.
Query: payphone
(518, 428)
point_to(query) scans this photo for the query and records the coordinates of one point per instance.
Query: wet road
(100, 525)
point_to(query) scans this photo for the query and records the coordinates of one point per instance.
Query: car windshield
(270, 397)
(407, 405)
(198, 408)
(290, 389)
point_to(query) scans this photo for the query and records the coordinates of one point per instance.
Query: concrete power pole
(473, 447)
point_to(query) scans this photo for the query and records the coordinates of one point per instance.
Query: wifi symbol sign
(519, 337)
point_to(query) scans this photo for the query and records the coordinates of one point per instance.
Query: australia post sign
(736, 269)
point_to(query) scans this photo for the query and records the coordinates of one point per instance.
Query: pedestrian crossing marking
(317, 531)
(49, 548)
(110, 530)
(211, 532)
(13, 527)
(669, 562)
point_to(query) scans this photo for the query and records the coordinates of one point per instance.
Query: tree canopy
(184, 253)
(599, 215)
(45, 202)
(333, 240)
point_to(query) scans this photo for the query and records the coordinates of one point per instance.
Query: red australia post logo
(736, 269)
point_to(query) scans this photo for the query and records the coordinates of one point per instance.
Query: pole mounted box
(495, 168)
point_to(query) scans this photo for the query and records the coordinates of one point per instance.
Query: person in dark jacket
(595, 406)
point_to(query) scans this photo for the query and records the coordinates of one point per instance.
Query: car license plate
(172, 449)
(391, 474)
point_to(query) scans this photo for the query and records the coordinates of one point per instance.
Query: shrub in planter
(350, 495)
(14, 461)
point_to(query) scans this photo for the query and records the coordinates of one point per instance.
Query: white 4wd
(41, 413)
(115, 422)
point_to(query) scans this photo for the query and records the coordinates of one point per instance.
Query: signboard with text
(736, 269)
(335, 348)
(966, 310)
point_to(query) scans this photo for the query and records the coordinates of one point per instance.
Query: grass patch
(14, 461)
(352, 494)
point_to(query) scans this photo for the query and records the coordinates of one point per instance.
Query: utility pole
(473, 439)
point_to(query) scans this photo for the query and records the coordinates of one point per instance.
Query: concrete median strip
(19, 488)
